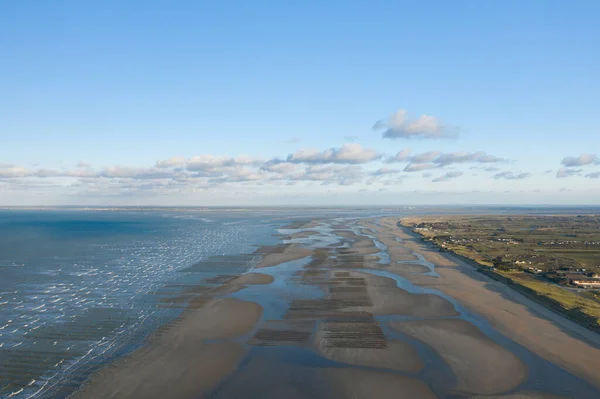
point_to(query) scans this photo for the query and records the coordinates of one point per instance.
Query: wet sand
(281, 254)
(522, 395)
(373, 314)
(178, 362)
(372, 384)
(469, 354)
(388, 299)
(397, 355)
(252, 279)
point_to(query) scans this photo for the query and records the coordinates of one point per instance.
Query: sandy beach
(373, 314)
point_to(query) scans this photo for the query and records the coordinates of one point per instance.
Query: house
(587, 283)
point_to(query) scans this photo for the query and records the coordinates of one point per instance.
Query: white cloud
(399, 125)
(242, 174)
(491, 169)
(582, 160)
(425, 157)
(14, 171)
(305, 168)
(448, 176)
(385, 171)
(340, 174)
(401, 156)
(30, 185)
(417, 167)
(564, 172)
(207, 162)
(47, 173)
(511, 176)
(445, 159)
(137, 173)
(464, 157)
(171, 162)
(88, 172)
(280, 167)
(595, 175)
(350, 153)
(84, 165)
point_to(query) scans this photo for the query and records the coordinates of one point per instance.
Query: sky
(299, 103)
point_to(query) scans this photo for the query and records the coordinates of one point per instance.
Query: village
(563, 250)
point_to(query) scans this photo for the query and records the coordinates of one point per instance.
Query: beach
(356, 308)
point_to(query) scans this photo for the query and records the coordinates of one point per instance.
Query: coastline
(572, 314)
(169, 363)
(375, 314)
(188, 336)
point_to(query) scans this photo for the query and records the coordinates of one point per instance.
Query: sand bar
(394, 355)
(356, 384)
(252, 279)
(481, 366)
(283, 253)
(388, 298)
(177, 362)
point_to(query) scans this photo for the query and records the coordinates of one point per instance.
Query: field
(544, 242)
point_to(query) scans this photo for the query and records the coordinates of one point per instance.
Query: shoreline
(202, 339)
(546, 333)
(531, 294)
(323, 320)
(194, 302)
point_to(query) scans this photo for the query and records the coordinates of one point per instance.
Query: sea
(79, 288)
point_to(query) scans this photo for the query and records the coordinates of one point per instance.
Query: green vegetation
(540, 256)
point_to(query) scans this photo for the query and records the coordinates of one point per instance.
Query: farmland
(555, 259)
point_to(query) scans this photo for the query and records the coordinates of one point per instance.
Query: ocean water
(78, 288)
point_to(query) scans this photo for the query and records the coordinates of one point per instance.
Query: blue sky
(121, 87)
